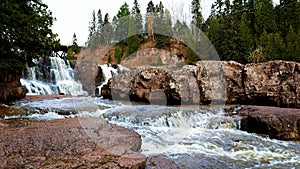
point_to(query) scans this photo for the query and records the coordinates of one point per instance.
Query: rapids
(194, 137)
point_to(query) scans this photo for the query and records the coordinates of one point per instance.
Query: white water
(108, 72)
(193, 137)
(64, 82)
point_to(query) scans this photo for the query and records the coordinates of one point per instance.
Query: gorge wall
(273, 83)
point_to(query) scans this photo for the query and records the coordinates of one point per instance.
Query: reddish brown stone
(278, 123)
(68, 143)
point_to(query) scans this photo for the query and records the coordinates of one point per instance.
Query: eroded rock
(277, 123)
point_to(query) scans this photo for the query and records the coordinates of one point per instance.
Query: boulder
(273, 83)
(220, 82)
(11, 88)
(277, 123)
(68, 143)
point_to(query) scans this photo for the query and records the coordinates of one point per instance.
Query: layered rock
(277, 123)
(68, 143)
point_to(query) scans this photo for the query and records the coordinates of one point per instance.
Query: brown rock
(10, 87)
(273, 83)
(68, 143)
(278, 123)
(161, 162)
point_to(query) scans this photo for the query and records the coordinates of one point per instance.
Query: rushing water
(193, 137)
(62, 82)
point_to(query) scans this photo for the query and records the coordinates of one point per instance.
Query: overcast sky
(73, 16)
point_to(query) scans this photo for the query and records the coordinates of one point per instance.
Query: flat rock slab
(277, 123)
(68, 143)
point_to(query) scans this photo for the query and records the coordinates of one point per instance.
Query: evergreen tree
(107, 30)
(291, 50)
(289, 15)
(272, 45)
(75, 47)
(245, 38)
(122, 29)
(196, 13)
(99, 30)
(264, 17)
(138, 19)
(92, 30)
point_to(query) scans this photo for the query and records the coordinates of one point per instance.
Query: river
(191, 136)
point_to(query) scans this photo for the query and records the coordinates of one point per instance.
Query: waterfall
(107, 71)
(61, 81)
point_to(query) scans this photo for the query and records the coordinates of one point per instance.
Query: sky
(73, 16)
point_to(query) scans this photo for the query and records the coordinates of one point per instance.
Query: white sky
(73, 16)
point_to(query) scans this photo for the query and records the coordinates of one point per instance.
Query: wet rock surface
(68, 143)
(277, 123)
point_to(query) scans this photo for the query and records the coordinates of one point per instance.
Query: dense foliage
(240, 30)
(24, 33)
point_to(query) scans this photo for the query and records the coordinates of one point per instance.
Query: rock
(211, 82)
(153, 86)
(68, 143)
(273, 83)
(220, 82)
(10, 87)
(7, 111)
(277, 123)
(161, 162)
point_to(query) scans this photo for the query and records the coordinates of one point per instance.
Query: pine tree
(138, 19)
(272, 45)
(75, 47)
(245, 38)
(107, 30)
(196, 13)
(289, 15)
(291, 50)
(99, 34)
(122, 29)
(92, 30)
(264, 17)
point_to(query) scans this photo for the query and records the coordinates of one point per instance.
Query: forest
(241, 30)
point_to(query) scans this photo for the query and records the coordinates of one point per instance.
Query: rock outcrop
(68, 143)
(277, 123)
(271, 83)
(10, 87)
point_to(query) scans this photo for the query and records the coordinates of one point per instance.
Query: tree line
(240, 30)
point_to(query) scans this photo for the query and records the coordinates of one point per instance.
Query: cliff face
(10, 87)
(272, 83)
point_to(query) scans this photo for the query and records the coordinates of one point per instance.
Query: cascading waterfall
(62, 82)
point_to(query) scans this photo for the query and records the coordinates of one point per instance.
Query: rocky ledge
(68, 143)
(271, 83)
(277, 123)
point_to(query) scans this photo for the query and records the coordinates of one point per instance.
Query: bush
(119, 54)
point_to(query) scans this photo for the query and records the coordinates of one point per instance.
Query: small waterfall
(61, 81)
(106, 72)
